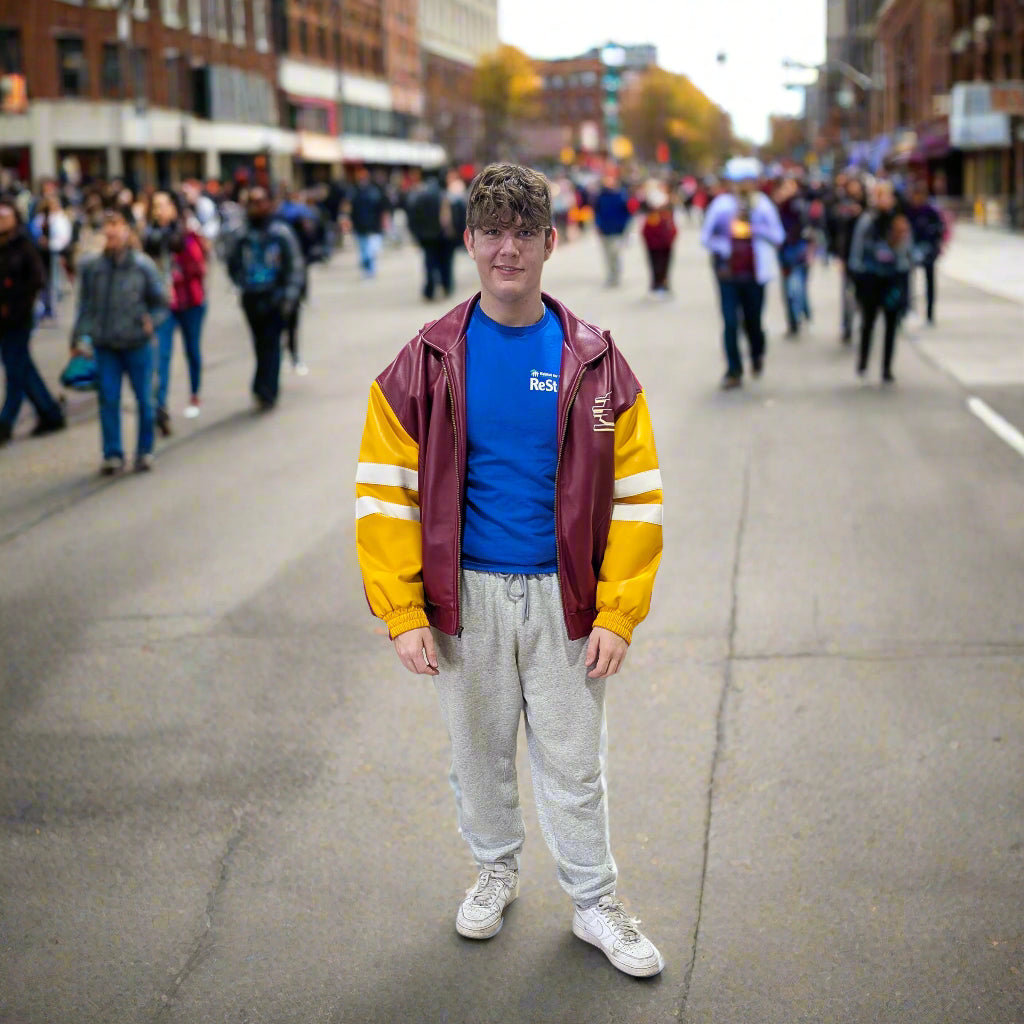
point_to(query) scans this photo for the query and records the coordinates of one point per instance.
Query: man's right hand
(416, 651)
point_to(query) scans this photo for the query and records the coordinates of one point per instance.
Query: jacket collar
(584, 341)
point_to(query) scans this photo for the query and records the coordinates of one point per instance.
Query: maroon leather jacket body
(426, 388)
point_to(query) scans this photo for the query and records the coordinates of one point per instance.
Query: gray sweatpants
(514, 657)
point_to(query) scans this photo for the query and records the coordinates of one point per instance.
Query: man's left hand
(606, 652)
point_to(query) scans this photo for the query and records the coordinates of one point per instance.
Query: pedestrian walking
(180, 255)
(929, 230)
(880, 262)
(849, 206)
(265, 263)
(659, 234)
(612, 215)
(21, 279)
(121, 298)
(310, 231)
(509, 530)
(51, 229)
(742, 231)
(453, 223)
(368, 211)
(794, 254)
(428, 215)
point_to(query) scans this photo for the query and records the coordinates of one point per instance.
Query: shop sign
(1008, 98)
(973, 124)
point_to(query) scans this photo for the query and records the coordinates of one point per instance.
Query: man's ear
(467, 237)
(550, 241)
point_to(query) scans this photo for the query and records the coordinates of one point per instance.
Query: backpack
(424, 214)
(262, 261)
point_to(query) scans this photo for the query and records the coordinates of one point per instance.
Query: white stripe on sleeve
(367, 506)
(390, 476)
(638, 483)
(653, 514)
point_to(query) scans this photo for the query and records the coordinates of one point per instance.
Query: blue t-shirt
(512, 409)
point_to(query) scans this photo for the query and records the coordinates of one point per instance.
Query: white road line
(1000, 427)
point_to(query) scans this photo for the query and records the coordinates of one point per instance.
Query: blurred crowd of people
(140, 262)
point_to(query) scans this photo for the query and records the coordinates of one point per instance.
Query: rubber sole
(467, 932)
(643, 972)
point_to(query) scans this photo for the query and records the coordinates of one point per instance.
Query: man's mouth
(507, 269)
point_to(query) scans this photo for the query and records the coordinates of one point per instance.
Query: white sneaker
(301, 369)
(479, 916)
(192, 409)
(607, 926)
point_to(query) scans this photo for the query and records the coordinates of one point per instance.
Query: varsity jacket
(411, 482)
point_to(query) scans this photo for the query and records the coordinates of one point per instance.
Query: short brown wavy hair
(506, 194)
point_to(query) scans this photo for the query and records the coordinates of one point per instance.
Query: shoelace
(624, 926)
(487, 889)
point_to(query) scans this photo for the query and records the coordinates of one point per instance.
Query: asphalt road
(222, 799)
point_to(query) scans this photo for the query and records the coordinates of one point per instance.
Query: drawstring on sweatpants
(523, 595)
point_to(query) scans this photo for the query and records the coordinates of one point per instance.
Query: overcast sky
(688, 33)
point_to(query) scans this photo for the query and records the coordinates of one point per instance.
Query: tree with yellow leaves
(506, 87)
(664, 107)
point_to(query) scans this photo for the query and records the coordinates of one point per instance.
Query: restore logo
(541, 381)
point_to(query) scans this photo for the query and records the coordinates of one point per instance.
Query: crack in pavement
(723, 699)
(200, 943)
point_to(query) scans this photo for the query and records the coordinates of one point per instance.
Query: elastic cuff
(618, 623)
(401, 620)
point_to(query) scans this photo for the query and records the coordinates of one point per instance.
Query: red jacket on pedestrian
(660, 229)
(188, 274)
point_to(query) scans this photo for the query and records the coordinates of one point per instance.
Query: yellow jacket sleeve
(633, 550)
(388, 538)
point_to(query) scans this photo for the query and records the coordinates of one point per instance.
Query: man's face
(259, 205)
(117, 233)
(510, 259)
(885, 198)
(8, 222)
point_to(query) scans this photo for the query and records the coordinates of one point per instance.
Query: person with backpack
(428, 211)
(121, 298)
(22, 277)
(509, 530)
(265, 263)
(308, 227)
(880, 261)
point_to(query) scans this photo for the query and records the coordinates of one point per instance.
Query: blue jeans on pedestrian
(112, 364)
(795, 287)
(748, 295)
(191, 323)
(369, 247)
(23, 380)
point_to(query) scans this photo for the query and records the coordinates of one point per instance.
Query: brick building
(453, 35)
(952, 101)
(571, 105)
(349, 77)
(173, 88)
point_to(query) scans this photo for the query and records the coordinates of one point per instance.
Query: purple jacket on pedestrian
(765, 227)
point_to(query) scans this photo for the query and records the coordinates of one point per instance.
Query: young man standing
(509, 497)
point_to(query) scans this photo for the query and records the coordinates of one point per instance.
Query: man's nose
(508, 245)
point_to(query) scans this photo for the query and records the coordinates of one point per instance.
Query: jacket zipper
(558, 465)
(458, 501)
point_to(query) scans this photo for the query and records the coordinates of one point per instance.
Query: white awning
(319, 149)
(371, 150)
